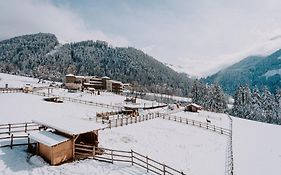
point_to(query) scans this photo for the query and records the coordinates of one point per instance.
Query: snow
(15, 81)
(47, 138)
(271, 73)
(217, 119)
(190, 149)
(256, 147)
(17, 162)
(70, 126)
(104, 97)
(32, 107)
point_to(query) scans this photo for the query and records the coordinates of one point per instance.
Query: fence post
(9, 129)
(25, 127)
(11, 146)
(109, 124)
(146, 163)
(221, 131)
(127, 121)
(94, 150)
(132, 158)
(112, 156)
(121, 121)
(116, 122)
(28, 139)
(164, 169)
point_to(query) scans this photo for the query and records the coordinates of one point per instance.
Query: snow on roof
(47, 138)
(70, 75)
(105, 77)
(115, 81)
(78, 76)
(70, 126)
(196, 105)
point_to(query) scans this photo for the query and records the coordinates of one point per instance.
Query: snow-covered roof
(105, 77)
(78, 76)
(70, 126)
(196, 105)
(117, 82)
(70, 75)
(47, 138)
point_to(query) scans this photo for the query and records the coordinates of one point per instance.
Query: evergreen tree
(242, 106)
(269, 113)
(198, 92)
(256, 106)
(216, 99)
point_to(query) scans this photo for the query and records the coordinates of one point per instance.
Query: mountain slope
(254, 70)
(41, 55)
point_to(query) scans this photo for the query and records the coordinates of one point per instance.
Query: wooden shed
(65, 140)
(54, 148)
(193, 107)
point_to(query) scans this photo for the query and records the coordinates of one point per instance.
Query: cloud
(19, 17)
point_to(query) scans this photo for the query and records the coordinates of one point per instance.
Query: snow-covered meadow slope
(193, 150)
(256, 147)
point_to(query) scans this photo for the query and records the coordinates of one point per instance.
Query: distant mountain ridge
(41, 55)
(256, 71)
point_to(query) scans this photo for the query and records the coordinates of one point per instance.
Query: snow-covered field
(218, 119)
(15, 81)
(17, 162)
(194, 150)
(104, 97)
(21, 107)
(257, 148)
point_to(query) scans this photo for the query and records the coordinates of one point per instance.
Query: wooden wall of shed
(62, 152)
(45, 152)
(57, 154)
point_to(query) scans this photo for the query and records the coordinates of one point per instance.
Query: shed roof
(47, 138)
(70, 75)
(70, 126)
(195, 105)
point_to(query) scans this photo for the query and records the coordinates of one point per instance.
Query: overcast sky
(200, 36)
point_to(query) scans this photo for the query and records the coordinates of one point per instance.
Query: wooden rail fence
(135, 158)
(129, 120)
(229, 161)
(78, 100)
(196, 123)
(10, 134)
(10, 90)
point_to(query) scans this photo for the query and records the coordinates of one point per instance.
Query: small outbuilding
(193, 107)
(66, 139)
(53, 148)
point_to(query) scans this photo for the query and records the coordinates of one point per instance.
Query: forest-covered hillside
(41, 55)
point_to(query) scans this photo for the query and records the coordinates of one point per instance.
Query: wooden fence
(229, 158)
(129, 120)
(135, 158)
(196, 123)
(11, 133)
(75, 100)
(10, 90)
